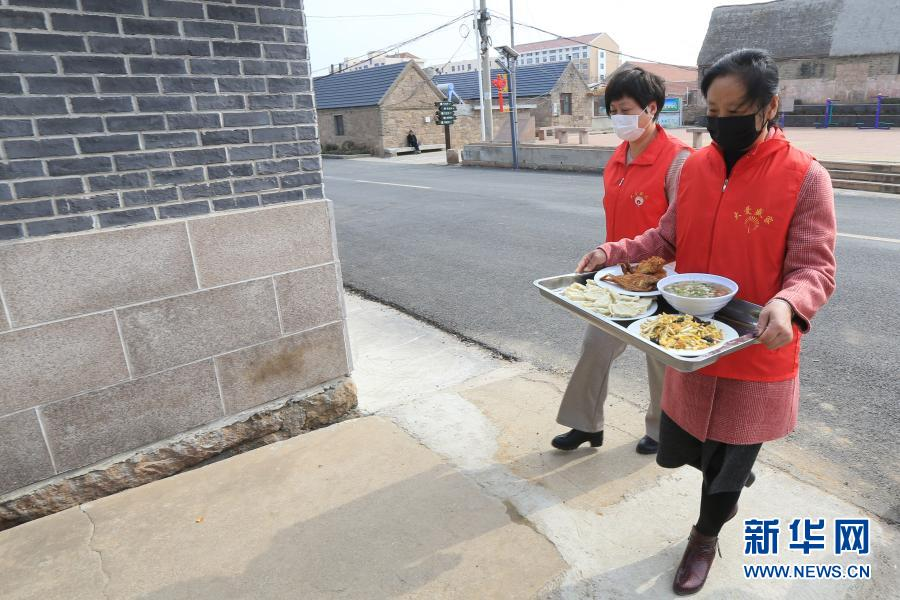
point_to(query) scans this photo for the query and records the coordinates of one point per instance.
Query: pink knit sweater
(750, 412)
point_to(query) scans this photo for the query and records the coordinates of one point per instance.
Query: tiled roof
(679, 80)
(531, 80)
(557, 43)
(365, 87)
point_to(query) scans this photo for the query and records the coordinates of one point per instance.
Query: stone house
(375, 108)
(846, 50)
(547, 95)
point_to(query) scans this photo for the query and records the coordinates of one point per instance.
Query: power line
(502, 17)
(455, 52)
(412, 14)
(383, 51)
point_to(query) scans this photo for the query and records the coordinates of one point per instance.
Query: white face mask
(627, 127)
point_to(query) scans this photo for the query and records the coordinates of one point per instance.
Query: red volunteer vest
(635, 195)
(738, 228)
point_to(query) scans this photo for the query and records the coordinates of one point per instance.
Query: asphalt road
(461, 246)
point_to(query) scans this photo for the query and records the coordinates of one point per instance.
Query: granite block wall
(167, 256)
(115, 112)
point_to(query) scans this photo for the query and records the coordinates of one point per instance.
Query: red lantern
(502, 85)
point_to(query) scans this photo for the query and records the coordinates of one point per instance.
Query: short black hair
(637, 84)
(754, 67)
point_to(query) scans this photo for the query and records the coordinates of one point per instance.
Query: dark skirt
(725, 467)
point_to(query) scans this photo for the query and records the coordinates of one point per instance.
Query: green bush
(347, 147)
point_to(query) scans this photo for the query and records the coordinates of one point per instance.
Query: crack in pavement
(106, 578)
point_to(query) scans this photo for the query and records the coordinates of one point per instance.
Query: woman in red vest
(755, 209)
(639, 180)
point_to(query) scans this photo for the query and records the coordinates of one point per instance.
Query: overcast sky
(663, 30)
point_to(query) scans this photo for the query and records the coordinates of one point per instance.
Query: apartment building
(595, 55)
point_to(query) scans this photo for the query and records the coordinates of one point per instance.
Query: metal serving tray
(741, 315)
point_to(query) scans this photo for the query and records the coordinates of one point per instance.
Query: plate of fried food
(683, 335)
(607, 303)
(638, 279)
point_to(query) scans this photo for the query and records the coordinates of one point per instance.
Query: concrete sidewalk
(447, 488)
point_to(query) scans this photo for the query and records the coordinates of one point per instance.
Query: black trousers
(725, 469)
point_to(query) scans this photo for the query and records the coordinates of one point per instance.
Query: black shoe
(647, 445)
(750, 479)
(575, 438)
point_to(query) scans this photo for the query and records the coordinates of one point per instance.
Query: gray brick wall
(116, 112)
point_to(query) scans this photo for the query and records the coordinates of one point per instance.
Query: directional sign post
(446, 113)
(446, 116)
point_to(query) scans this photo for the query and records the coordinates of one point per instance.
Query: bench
(544, 132)
(698, 135)
(409, 149)
(562, 134)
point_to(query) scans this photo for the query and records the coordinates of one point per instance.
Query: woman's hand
(592, 261)
(774, 327)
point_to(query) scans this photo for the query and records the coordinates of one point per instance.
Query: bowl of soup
(697, 294)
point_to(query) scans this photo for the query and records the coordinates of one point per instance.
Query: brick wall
(406, 106)
(467, 129)
(362, 126)
(845, 79)
(582, 104)
(193, 122)
(850, 79)
(114, 112)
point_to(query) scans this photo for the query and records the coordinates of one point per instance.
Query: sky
(661, 30)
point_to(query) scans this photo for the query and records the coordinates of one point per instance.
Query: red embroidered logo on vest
(753, 218)
(639, 198)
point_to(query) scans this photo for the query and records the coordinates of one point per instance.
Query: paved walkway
(838, 143)
(446, 489)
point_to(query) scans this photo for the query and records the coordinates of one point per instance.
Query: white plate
(561, 292)
(617, 270)
(728, 334)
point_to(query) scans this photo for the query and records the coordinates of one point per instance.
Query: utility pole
(513, 62)
(486, 103)
(477, 38)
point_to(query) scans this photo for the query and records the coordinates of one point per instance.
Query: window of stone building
(565, 104)
(810, 70)
(599, 108)
(338, 124)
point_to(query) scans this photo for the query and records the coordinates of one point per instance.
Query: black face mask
(733, 134)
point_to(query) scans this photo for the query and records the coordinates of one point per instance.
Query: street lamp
(511, 60)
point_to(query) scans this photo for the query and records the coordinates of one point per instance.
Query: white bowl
(699, 307)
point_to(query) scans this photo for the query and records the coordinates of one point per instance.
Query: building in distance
(845, 50)
(374, 59)
(595, 55)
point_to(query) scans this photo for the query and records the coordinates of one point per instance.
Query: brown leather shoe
(695, 564)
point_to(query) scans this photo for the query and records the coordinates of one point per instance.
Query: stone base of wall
(265, 424)
(588, 159)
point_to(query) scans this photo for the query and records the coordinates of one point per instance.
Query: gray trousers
(582, 404)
